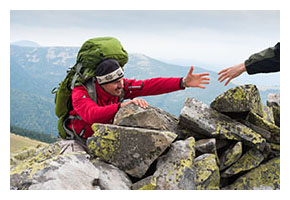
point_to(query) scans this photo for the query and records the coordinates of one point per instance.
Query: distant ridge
(25, 43)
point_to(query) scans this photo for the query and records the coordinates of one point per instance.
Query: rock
(264, 177)
(202, 119)
(61, 172)
(150, 118)
(262, 123)
(207, 172)
(206, 146)
(249, 160)
(240, 99)
(273, 100)
(132, 150)
(268, 114)
(110, 177)
(231, 155)
(175, 170)
(148, 183)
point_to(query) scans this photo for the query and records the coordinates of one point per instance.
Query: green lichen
(266, 176)
(151, 185)
(239, 132)
(231, 156)
(104, 143)
(207, 173)
(249, 160)
(259, 121)
(37, 162)
(179, 167)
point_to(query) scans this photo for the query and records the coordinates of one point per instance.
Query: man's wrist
(183, 83)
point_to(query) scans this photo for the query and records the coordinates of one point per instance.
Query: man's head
(110, 75)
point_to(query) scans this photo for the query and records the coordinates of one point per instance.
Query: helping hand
(194, 80)
(231, 72)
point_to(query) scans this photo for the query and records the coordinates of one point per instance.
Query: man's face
(114, 88)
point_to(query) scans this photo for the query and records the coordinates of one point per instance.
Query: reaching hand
(139, 102)
(195, 80)
(231, 72)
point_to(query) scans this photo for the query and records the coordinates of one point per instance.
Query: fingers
(190, 70)
(140, 102)
(228, 81)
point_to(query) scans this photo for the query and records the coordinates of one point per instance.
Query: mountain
(26, 43)
(35, 71)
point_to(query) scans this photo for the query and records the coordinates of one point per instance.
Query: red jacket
(106, 108)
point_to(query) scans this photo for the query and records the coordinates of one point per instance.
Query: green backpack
(90, 55)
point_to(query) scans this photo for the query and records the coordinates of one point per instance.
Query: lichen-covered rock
(206, 146)
(60, 172)
(150, 118)
(264, 177)
(231, 155)
(148, 183)
(110, 177)
(132, 150)
(201, 118)
(273, 100)
(36, 160)
(207, 172)
(262, 123)
(240, 99)
(175, 170)
(268, 114)
(248, 161)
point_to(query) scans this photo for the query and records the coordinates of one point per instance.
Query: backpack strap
(76, 75)
(91, 88)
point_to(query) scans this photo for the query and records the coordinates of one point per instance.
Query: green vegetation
(18, 143)
(33, 134)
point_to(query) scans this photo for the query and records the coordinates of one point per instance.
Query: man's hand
(139, 102)
(231, 72)
(195, 80)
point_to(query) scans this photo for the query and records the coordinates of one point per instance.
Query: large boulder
(264, 177)
(207, 172)
(273, 101)
(150, 118)
(132, 150)
(240, 99)
(202, 119)
(60, 172)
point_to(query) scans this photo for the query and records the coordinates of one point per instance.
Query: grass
(18, 142)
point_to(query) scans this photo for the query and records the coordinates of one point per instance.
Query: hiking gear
(109, 71)
(107, 106)
(83, 73)
(265, 61)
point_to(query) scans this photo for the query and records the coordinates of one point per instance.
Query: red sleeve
(154, 86)
(88, 110)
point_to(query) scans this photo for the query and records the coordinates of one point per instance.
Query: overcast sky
(212, 39)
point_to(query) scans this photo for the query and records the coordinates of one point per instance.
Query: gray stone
(202, 119)
(150, 118)
(206, 146)
(207, 172)
(71, 171)
(175, 170)
(264, 177)
(231, 155)
(110, 177)
(273, 100)
(248, 161)
(132, 150)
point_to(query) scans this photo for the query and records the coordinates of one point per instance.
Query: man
(265, 61)
(109, 86)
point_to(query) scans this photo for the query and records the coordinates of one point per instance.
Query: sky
(213, 39)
